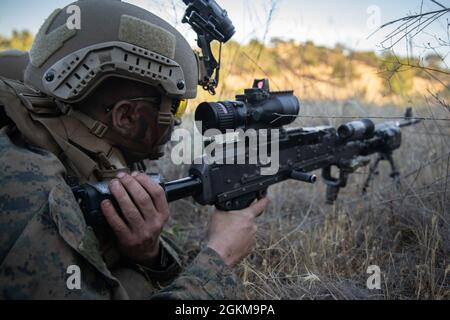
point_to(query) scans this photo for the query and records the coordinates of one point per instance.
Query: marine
(94, 105)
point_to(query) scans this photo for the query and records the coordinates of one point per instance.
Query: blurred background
(322, 49)
(344, 60)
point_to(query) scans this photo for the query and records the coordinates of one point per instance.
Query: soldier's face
(149, 131)
(137, 122)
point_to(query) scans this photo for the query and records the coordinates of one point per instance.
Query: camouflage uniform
(43, 232)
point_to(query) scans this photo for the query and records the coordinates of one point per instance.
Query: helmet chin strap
(41, 124)
(93, 158)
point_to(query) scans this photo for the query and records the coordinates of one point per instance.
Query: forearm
(207, 278)
(166, 266)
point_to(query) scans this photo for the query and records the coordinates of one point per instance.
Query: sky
(326, 22)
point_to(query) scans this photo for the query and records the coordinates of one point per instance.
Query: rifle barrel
(408, 122)
(183, 188)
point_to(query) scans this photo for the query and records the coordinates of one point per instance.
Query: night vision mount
(210, 22)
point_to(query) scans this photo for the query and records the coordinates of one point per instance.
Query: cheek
(147, 134)
(167, 135)
(150, 134)
(147, 127)
(149, 138)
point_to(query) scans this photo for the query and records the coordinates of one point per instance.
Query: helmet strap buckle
(99, 129)
(165, 119)
(63, 107)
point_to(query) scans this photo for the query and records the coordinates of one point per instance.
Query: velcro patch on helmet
(147, 35)
(46, 44)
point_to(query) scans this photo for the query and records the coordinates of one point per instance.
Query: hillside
(319, 73)
(315, 72)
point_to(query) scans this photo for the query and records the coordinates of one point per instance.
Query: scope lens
(221, 116)
(345, 131)
(357, 130)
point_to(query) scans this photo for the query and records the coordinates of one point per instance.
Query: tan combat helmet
(13, 64)
(116, 39)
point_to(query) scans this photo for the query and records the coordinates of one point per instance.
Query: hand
(232, 234)
(145, 211)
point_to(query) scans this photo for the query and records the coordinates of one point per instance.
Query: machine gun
(301, 152)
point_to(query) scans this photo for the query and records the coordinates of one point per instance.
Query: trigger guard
(241, 203)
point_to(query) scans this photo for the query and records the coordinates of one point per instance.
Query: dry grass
(308, 250)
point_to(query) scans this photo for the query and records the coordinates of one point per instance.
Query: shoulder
(27, 169)
(27, 178)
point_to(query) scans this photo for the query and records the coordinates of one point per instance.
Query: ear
(125, 116)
